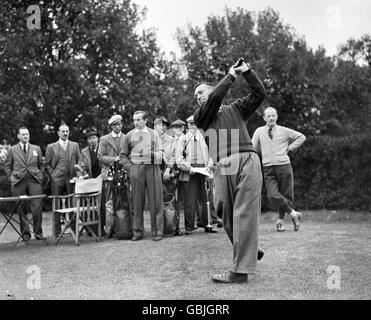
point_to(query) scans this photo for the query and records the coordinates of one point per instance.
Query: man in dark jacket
(25, 168)
(238, 178)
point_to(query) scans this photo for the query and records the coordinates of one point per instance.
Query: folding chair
(80, 210)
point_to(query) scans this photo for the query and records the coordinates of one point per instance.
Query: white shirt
(22, 144)
(63, 143)
(145, 129)
(116, 135)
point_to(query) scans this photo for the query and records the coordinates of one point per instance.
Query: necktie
(24, 149)
(270, 133)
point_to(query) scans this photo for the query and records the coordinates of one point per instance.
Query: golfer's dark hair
(20, 128)
(145, 115)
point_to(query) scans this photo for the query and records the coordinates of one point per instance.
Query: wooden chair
(80, 210)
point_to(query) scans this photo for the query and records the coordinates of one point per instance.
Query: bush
(333, 173)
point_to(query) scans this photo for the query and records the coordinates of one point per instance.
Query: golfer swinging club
(238, 177)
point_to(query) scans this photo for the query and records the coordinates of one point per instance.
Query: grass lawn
(294, 266)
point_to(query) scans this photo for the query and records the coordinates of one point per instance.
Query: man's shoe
(296, 221)
(110, 235)
(210, 230)
(157, 238)
(220, 224)
(178, 233)
(280, 227)
(260, 254)
(136, 238)
(26, 237)
(230, 277)
(188, 232)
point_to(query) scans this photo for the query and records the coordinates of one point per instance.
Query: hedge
(332, 173)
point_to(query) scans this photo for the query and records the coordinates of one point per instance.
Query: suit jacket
(17, 164)
(52, 157)
(183, 154)
(85, 160)
(107, 152)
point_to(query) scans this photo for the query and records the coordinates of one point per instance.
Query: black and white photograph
(198, 152)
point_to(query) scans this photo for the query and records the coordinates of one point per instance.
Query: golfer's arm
(247, 105)
(206, 112)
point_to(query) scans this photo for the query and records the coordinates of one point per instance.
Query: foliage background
(91, 59)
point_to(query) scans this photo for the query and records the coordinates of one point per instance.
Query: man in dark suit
(60, 158)
(89, 155)
(25, 168)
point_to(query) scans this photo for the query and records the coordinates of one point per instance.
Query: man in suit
(61, 158)
(141, 157)
(118, 219)
(25, 168)
(191, 153)
(89, 155)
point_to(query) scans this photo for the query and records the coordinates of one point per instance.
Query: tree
(86, 62)
(295, 77)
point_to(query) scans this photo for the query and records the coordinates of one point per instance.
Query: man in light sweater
(275, 142)
(141, 157)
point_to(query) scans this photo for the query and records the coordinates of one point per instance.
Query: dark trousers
(194, 193)
(29, 186)
(279, 181)
(58, 190)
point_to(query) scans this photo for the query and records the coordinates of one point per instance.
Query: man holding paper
(192, 158)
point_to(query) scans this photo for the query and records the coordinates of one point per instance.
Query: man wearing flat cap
(109, 150)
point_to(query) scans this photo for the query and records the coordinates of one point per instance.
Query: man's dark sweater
(224, 126)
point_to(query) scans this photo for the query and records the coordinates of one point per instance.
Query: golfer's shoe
(260, 254)
(280, 227)
(296, 221)
(230, 277)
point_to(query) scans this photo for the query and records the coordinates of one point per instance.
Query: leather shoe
(136, 238)
(210, 230)
(188, 232)
(178, 233)
(280, 227)
(26, 237)
(260, 254)
(230, 277)
(157, 238)
(296, 221)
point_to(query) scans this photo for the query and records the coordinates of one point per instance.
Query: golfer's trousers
(147, 178)
(238, 185)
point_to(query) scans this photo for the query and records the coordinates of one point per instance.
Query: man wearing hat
(160, 126)
(61, 157)
(109, 150)
(89, 155)
(171, 173)
(191, 153)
